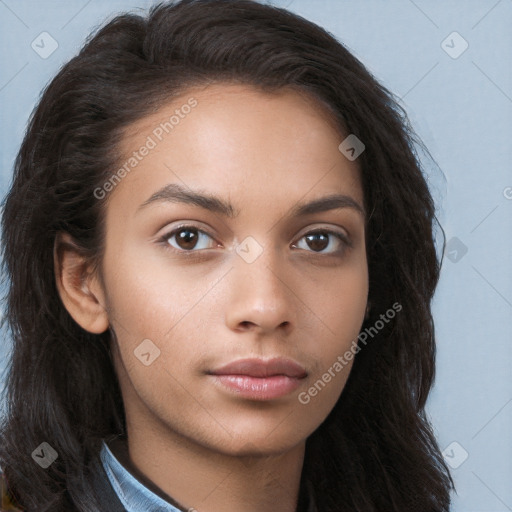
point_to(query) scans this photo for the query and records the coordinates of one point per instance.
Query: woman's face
(249, 272)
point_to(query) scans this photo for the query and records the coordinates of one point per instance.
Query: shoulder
(7, 502)
(101, 485)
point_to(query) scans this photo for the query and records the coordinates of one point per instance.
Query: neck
(201, 479)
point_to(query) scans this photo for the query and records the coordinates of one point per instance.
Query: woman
(221, 260)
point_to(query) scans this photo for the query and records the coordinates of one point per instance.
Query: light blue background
(461, 108)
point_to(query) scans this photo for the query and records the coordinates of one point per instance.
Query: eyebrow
(175, 193)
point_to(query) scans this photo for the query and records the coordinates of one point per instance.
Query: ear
(79, 288)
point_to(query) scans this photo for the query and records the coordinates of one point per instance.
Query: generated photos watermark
(157, 135)
(343, 360)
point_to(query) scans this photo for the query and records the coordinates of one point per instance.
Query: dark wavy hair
(376, 451)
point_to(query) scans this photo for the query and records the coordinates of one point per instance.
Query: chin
(267, 438)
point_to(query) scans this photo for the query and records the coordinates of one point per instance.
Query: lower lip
(256, 388)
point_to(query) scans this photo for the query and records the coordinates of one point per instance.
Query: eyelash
(164, 240)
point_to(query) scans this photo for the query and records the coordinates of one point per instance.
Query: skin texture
(264, 153)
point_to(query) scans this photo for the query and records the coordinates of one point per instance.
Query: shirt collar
(136, 497)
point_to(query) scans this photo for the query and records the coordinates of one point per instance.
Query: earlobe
(79, 288)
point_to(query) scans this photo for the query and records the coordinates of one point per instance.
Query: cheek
(151, 300)
(341, 301)
(340, 305)
(349, 305)
(143, 293)
(156, 314)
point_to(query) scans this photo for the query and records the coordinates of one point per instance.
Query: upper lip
(262, 368)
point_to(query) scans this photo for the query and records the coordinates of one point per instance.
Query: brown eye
(317, 241)
(187, 238)
(320, 240)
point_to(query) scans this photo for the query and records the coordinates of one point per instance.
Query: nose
(261, 296)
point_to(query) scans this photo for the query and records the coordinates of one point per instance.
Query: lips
(259, 379)
(259, 368)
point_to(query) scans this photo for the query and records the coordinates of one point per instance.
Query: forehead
(238, 139)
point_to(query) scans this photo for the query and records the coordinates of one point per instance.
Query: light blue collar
(134, 496)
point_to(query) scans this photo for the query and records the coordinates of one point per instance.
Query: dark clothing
(108, 496)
